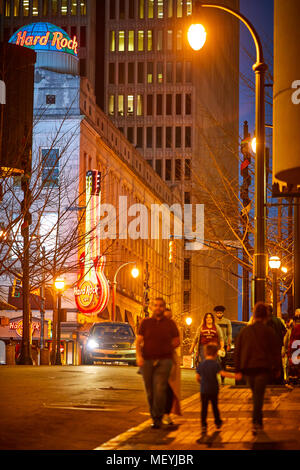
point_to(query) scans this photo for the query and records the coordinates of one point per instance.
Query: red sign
(57, 40)
(18, 327)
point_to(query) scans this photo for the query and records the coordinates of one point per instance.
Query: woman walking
(173, 392)
(207, 333)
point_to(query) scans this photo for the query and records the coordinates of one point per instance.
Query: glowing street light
(275, 263)
(284, 269)
(135, 273)
(197, 36)
(59, 284)
(253, 145)
(188, 321)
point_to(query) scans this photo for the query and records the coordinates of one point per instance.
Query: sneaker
(219, 425)
(256, 428)
(204, 429)
(168, 420)
(155, 425)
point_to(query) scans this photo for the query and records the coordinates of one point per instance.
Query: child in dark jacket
(207, 376)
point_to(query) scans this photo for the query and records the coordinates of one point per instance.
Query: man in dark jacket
(280, 331)
(257, 357)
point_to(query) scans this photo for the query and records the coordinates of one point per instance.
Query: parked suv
(110, 342)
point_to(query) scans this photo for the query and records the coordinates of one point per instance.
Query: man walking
(280, 331)
(257, 357)
(226, 327)
(157, 338)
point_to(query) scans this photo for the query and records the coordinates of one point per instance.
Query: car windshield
(114, 332)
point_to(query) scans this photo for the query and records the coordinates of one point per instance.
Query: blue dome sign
(45, 37)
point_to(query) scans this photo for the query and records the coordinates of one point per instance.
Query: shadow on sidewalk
(152, 437)
(214, 440)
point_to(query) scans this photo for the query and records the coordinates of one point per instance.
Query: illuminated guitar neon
(92, 290)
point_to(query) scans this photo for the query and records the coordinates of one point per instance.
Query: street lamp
(59, 286)
(275, 263)
(260, 68)
(188, 321)
(134, 273)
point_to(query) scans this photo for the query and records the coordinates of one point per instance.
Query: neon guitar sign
(92, 290)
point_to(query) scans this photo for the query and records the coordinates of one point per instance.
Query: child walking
(207, 376)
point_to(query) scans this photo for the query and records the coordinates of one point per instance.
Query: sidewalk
(282, 425)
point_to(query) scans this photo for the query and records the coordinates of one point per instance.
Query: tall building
(180, 110)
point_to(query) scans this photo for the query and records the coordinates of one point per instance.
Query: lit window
(121, 41)
(121, 105)
(189, 7)
(73, 7)
(159, 42)
(150, 72)
(159, 72)
(83, 7)
(7, 7)
(111, 105)
(130, 105)
(170, 40)
(131, 41)
(64, 7)
(112, 41)
(141, 9)
(139, 109)
(150, 8)
(149, 40)
(179, 8)
(140, 40)
(170, 8)
(45, 7)
(50, 167)
(16, 7)
(179, 40)
(26, 7)
(160, 8)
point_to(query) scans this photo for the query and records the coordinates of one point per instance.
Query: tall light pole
(134, 273)
(197, 36)
(59, 286)
(275, 263)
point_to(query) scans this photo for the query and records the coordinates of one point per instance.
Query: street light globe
(59, 284)
(188, 321)
(253, 145)
(196, 36)
(284, 269)
(274, 262)
(135, 273)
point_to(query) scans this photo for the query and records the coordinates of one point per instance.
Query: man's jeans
(156, 375)
(258, 385)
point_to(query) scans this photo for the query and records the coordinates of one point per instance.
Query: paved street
(282, 425)
(72, 407)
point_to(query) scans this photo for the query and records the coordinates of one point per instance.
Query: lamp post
(197, 38)
(134, 273)
(59, 286)
(275, 263)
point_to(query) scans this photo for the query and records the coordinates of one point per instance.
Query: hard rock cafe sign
(17, 326)
(92, 290)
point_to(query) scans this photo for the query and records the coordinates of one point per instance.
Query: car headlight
(92, 344)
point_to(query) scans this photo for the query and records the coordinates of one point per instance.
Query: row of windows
(152, 9)
(43, 7)
(122, 73)
(147, 40)
(181, 168)
(162, 137)
(149, 105)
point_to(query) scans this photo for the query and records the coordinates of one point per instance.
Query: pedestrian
(158, 337)
(257, 357)
(291, 350)
(207, 375)
(173, 390)
(280, 330)
(208, 332)
(226, 327)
